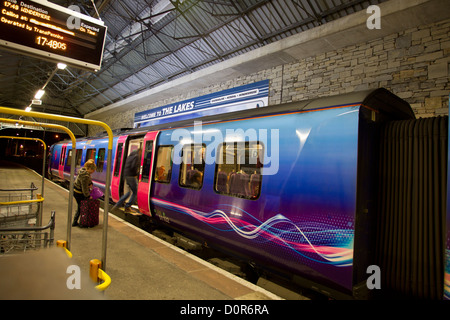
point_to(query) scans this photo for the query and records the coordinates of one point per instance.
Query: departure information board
(46, 30)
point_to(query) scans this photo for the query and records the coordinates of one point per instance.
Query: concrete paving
(140, 265)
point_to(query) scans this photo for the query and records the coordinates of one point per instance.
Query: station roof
(153, 42)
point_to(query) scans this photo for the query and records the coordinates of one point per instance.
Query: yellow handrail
(44, 157)
(69, 254)
(60, 118)
(107, 280)
(96, 274)
(21, 202)
(72, 169)
(40, 124)
(53, 126)
(23, 138)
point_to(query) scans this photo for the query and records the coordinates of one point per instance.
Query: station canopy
(152, 42)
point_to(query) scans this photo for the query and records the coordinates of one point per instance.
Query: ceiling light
(39, 94)
(61, 66)
(28, 109)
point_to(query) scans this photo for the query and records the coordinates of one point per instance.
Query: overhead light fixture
(39, 94)
(61, 66)
(28, 109)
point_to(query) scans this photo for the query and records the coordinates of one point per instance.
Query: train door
(117, 169)
(61, 161)
(146, 171)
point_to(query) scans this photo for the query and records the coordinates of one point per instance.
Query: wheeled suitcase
(89, 211)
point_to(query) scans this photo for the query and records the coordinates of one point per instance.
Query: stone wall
(414, 64)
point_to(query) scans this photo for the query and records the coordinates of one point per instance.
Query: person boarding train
(131, 171)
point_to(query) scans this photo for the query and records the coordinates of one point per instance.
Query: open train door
(117, 168)
(146, 172)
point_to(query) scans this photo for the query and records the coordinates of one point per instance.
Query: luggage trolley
(20, 211)
(17, 208)
(20, 239)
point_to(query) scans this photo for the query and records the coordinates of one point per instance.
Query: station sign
(48, 31)
(254, 95)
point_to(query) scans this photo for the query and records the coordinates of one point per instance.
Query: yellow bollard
(63, 244)
(98, 275)
(94, 266)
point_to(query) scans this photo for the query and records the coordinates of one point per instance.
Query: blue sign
(255, 95)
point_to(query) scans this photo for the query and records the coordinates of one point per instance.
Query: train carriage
(293, 188)
(93, 148)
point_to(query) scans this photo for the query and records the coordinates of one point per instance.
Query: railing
(18, 206)
(72, 170)
(31, 189)
(22, 239)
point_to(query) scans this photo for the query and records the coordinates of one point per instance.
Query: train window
(192, 166)
(90, 154)
(78, 157)
(163, 164)
(118, 158)
(238, 169)
(147, 161)
(100, 160)
(69, 158)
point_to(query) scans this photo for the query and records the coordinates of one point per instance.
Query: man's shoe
(130, 210)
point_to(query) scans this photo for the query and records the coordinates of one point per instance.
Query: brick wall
(414, 64)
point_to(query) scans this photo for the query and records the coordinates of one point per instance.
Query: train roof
(378, 99)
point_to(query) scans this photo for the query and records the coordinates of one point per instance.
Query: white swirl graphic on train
(317, 242)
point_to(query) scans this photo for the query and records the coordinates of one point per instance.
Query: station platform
(141, 266)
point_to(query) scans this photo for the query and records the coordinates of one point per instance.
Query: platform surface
(140, 265)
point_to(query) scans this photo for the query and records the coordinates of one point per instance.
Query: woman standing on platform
(82, 186)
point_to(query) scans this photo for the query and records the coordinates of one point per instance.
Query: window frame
(100, 159)
(90, 154)
(183, 165)
(118, 160)
(238, 165)
(169, 170)
(146, 166)
(78, 156)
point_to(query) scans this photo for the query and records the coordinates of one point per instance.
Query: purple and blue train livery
(290, 187)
